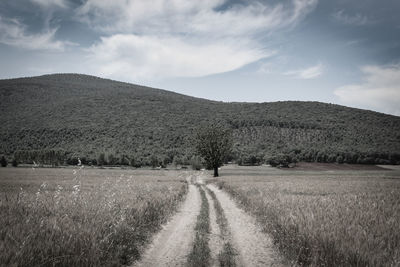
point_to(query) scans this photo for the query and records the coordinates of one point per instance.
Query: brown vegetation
(79, 217)
(342, 218)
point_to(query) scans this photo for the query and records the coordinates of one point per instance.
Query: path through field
(254, 248)
(173, 243)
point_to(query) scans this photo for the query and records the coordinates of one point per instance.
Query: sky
(345, 52)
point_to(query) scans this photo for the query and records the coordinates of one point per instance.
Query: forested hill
(78, 115)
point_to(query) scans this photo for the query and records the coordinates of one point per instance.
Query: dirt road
(173, 243)
(254, 248)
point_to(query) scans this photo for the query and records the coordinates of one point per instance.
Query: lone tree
(213, 144)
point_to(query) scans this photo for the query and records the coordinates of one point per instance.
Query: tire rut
(172, 244)
(215, 242)
(253, 246)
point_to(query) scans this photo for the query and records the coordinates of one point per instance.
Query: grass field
(82, 217)
(323, 218)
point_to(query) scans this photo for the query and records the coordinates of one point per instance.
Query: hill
(72, 115)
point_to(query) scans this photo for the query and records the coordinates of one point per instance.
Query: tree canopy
(213, 144)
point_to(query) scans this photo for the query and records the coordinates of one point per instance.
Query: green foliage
(213, 143)
(47, 157)
(154, 162)
(101, 160)
(14, 163)
(87, 116)
(196, 163)
(246, 159)
(3, 161)
(281, 160)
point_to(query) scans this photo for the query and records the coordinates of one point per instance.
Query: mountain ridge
(86, 116)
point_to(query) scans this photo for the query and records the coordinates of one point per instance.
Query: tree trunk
(215, 171)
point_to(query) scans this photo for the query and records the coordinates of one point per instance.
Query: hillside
(85, 116)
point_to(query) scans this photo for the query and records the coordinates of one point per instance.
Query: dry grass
(82, 217)
(325, 218)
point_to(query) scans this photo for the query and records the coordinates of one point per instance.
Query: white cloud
(50, 3)
(307, 73)
(167, 38)
(190, 17)
(357, 19)
(380, 90)
(14, 33)
(128, 55)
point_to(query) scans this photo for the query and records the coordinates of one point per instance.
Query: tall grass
(83, 219)
(327, 220)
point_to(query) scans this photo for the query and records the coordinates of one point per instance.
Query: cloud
(195, 17)
(357, 19)
(307, 73)
(166, 38)
(380, 89)
(142, 57)
(50, 3)
(14, 33)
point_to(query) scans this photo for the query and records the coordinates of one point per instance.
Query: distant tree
(14, 162)
(279, 160)
(101, 160)
(133, 161)
(73, 161)
(93, 162)
(124, 160)
(3, 161)
(213, 143)
(154, 161)
(195, 161)
(112, 160)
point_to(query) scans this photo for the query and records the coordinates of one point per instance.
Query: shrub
(195, 161)
(3, 161)
(280, 160)
(14, 163)
(101, 160)
(250, 160)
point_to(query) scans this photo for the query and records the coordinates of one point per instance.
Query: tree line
(207, 141)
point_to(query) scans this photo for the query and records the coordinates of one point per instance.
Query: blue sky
(344, 51)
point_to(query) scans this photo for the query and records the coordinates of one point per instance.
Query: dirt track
(172, 244)
(254, 247)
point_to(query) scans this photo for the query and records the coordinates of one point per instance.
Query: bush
(154, 162)
(280, 160)
(136, 163)
(72, 161)
(250, 160)
(195, 161)
(124, 161)
(14, 163)
(3, 161)
(101, 160)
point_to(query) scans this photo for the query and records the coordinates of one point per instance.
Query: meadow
(323, 218)
(83, 216)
